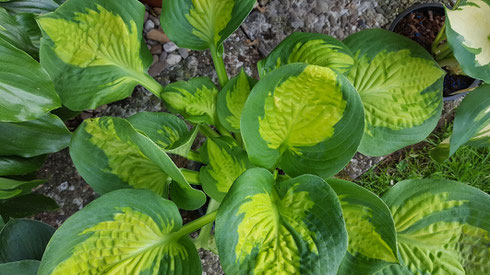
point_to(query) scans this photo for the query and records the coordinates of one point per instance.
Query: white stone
(149, 25)
(173, 59)
(169, 47)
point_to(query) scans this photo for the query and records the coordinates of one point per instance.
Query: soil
(423, 27)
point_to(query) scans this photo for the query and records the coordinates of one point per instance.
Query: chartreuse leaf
(29, 6)
(110, 154)
(14, 33)
(371, 230)
(13, 166)
(306, 118)
(231, 100)
(166, 130)
(47, 134)
(226, 161)
(442, 226)
(202, 24)
(291, 227)
(123, 232)
(24, 239)
(25, 267)
(26, 91)
(94, 53)
(10, 188)
(400, 86)
(472, 120)
(194, 99)
(468, 32)
(310, 48)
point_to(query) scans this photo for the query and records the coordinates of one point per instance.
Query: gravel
(265, 27)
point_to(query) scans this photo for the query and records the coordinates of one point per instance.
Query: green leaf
(29, 6)
(25, 267)
(30, 26)
(231, 100)
(306, 118)
(292, 227)
(472, 120)
(202, 24)
(226, 161)
(48, 134)
(370, 227)
(110, 154)
(400, 86)
(395, 269)
(94, 53)
(10, 188)
(23, 239)
(26, 91)
(195, 99)
(14, 33)
(310, 48)
(467, 31)
(26, 205)
(13, 166)
(123, 232)
(442, 226)
(166, 130)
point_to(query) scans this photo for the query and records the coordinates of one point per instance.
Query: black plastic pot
(436, 8)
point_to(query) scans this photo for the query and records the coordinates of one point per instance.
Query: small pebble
(163, 56)
(184, 53)
(157, 35)
(156, 49)
(170, 47)
(157, 68)
(63, 186)
(149, 25)
(155, 20)
(155, 59)
(173, 59)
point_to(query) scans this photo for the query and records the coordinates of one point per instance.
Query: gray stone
(163, 56)
(173, 59)
(157, 68)
(184, 53)
(169, 47)
(149, 25)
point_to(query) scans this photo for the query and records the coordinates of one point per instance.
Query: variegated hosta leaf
(370, 227)
(468, 32)
(291, 227)
(26, 91)
(310, 48)
(231, 100)
(109, 154)
(306, 118)
(472, 120)
(166, 130)
(13, 32)
(123, 232)
(194, 99)
(48, 134)
(10, 188)
(94, 53)
(202, 24)
(226, 161)
(400, 86)
(442, 226)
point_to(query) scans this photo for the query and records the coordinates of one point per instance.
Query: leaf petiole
(219, 65)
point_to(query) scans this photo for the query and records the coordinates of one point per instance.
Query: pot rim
(413, 8)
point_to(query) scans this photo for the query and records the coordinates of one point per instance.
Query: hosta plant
(464, 41)
(272, 147)
(27, 103)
